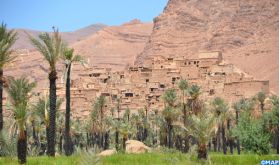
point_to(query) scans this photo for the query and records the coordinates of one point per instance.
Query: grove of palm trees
(187, 130)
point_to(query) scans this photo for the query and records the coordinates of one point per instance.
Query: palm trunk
(230, 140)
(117, 140)
(22, 147)
(52, 114)
(214, 141)
(202, 151)
(224, 140)
(170, 138)
(68, 146)
(237, 140)
(124, 143)
(1, 100)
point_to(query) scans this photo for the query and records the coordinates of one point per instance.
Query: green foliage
(183, 85)
(261, 97)
(8, 144)
(169, 97)
(252, 134)
(7, 39)
(194, 91)
(51, 47)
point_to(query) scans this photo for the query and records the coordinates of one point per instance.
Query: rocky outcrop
(107, 152)
(136, 147)
(246, 31)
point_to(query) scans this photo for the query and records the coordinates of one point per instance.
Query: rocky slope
(246, 31)
(115, 46)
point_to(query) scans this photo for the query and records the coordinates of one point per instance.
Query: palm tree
(237, 108)
(194, 91)
(202, 128)
(41, 110)
(169, 112)
(69, 58)
(99, 106)
(7, 39)
(19, 94)
(261, 98)
(52, 48)
(183, 86)
(221, 108)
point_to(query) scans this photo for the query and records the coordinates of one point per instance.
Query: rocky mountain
(115, 46)
(70, 37)
(246, 31)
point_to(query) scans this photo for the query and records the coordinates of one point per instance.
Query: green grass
(149, 159)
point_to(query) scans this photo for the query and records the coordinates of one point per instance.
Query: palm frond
(7, 39)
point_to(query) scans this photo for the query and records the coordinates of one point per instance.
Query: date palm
(19, 94)
(169, 113)
(69, 58)
(183, 86)
(7, 39)
(221, 108)
(52, 48)
(202, 128)
(194, 104)
(41, 110)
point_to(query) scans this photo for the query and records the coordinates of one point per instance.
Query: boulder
(136, 147)
(107, 152)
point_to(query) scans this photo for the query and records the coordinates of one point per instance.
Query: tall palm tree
(169, 112)
(237, 108)
(7, 39)
(69, 58)
(99, 106)
(261, 98)
(183, 86)
(52, 48)
(19, 94)
(221, 108)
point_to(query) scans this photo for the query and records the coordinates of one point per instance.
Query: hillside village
(140, 87)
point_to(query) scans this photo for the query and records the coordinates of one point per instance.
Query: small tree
(202, 128)
(19, 94)
(261, 98)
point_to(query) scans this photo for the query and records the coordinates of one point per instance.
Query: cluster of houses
(141, 87)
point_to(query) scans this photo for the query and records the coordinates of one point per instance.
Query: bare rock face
(115, 46)
(136, 147)
(107, 152)
(246, 31)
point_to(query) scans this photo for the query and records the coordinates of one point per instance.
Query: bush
(252, 134)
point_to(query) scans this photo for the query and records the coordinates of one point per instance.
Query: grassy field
(146, 159)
